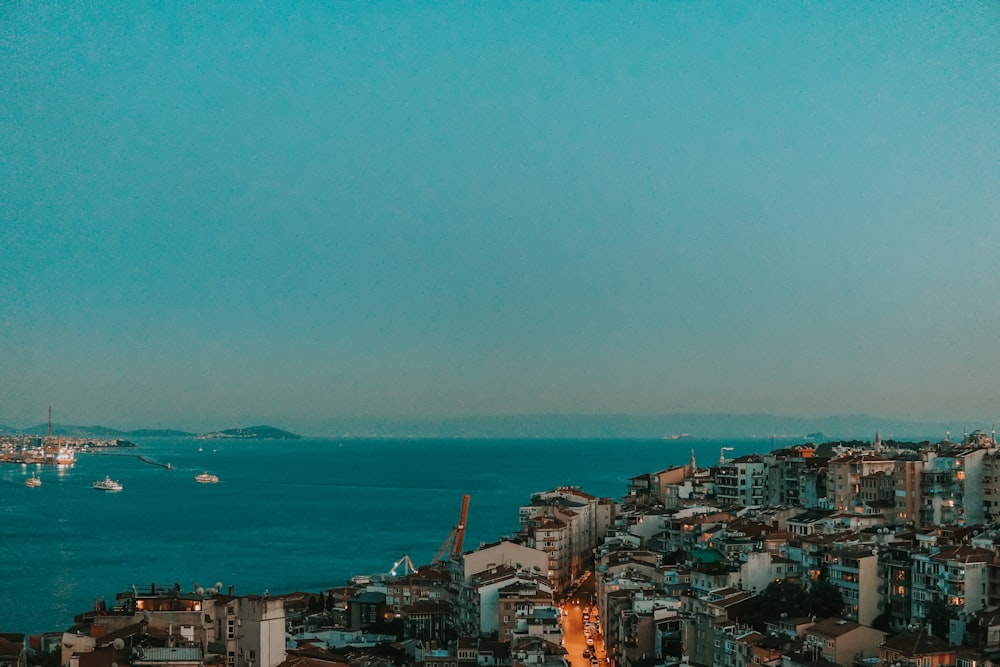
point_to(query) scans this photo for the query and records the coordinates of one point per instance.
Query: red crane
(451, 548)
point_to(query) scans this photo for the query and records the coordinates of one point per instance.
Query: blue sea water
(299, 515)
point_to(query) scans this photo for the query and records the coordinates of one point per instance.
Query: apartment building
(741, 481)
(567, 524)
(843, 490)
(841, 641)
(855, 573)
(957, 574)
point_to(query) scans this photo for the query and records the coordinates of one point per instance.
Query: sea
(286, 515)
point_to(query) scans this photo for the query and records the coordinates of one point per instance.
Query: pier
(146, 459)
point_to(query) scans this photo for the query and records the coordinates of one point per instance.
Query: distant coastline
(679, 426)
(103, 432)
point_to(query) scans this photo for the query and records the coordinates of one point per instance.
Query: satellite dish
(118, 643)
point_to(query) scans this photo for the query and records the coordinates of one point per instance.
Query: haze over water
(286, 515)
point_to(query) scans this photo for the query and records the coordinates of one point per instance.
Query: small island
(250, 433)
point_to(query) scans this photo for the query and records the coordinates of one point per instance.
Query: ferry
(33, 481)
(108, 484)
(205, 478)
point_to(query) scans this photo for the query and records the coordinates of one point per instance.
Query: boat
(205, 478)
(108, 484)
(33, 481)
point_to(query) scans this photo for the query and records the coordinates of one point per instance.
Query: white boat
(33, 481)
(108, 484)
(205, 478)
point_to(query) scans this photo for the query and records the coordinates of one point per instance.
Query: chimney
(232, 591)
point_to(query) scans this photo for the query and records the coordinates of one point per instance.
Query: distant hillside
(106, 433)
(251, 433)
(70, 431)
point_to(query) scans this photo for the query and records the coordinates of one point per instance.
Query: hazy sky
(284, 212)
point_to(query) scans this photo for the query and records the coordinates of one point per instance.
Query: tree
(939, 616)
(825, 599)
(781, 597)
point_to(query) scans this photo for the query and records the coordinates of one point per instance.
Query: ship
(33, 481)
(108, 484)
(206, 478)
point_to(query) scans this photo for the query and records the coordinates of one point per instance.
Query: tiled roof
(964, 555)
(832, 627)
(10, 649)
(912, 644)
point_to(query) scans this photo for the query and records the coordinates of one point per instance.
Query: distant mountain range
(695, 425)
(246, 433)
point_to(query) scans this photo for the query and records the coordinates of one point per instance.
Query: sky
(217, 214)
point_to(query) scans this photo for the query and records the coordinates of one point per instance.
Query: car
(590, 642)
(587, 653)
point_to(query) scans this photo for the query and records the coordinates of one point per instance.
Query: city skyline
(218, 216)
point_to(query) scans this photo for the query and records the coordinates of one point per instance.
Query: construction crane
(722, 455)
(408, 566)
(451, 548)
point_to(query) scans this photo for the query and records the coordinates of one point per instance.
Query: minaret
(50, 422)
(878, 441)
(692, 464)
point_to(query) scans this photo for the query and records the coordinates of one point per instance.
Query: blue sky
(288, 212)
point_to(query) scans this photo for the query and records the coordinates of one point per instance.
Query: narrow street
(583, 640)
